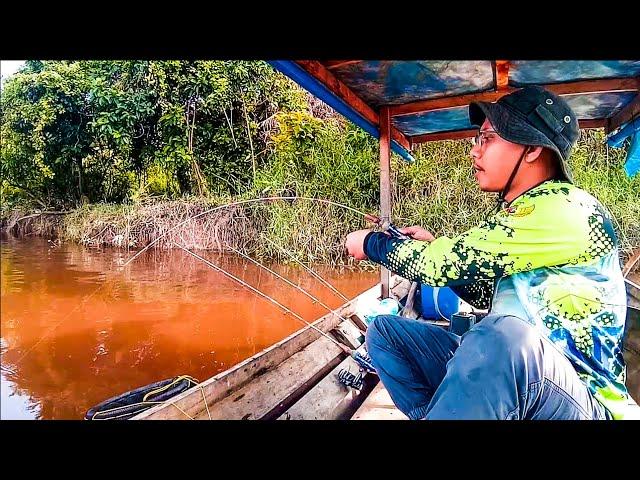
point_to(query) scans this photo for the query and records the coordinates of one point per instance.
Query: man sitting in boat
(545, 265)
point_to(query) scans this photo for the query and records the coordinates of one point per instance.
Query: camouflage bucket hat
(532, 116)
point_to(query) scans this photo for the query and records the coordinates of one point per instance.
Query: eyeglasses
(481, 137)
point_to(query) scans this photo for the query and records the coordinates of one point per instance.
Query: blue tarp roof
(394, 83)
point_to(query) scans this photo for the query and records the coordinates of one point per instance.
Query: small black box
(461, 322)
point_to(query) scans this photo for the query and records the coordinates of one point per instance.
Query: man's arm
(533, 236)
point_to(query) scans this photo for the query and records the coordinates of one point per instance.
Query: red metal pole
(385, 185)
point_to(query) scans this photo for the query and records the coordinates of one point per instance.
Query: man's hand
(418, 233)
(355, 244)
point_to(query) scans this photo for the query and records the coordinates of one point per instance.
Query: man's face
(493, 159)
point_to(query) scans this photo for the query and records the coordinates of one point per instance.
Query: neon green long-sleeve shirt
(551, 258)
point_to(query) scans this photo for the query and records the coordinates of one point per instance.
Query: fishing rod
(287, 310)
(386, 226)
(316, 300)
(232, 204)
(322, 280)
(361, 358)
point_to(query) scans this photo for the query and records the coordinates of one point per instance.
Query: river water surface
(77, 329)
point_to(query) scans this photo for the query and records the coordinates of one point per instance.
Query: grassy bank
(438, 191)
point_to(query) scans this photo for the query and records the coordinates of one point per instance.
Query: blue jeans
(502, 368)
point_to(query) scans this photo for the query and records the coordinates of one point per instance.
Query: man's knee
(501, 337)
(378, 331)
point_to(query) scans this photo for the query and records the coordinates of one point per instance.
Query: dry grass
(135, 226)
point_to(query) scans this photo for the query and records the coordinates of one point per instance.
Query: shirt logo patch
(520, 211)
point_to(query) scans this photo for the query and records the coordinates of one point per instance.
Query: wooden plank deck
(379, 406)
(261, 398)
(329, 399)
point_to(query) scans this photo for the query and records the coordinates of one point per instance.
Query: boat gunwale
(325, 323)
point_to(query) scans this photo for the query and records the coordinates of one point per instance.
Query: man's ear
(533, 153)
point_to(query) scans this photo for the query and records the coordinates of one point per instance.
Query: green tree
(102, 130)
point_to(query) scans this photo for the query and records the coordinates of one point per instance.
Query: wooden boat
(297, 378)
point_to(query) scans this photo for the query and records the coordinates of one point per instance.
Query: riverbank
(274, 229)
(437, 191)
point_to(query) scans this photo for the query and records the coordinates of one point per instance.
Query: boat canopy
(428, 99)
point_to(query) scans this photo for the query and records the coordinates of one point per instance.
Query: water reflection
(77, 330)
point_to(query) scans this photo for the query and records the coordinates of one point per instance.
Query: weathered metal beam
(453, 135)
(333, 64)
(568, 88)
(320, 72)
(593, 123)
(603, 85)
(445, 102)
(501, 74)
(458, 134)
(631, 110)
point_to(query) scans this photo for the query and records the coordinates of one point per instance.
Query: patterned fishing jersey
(550, 258)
